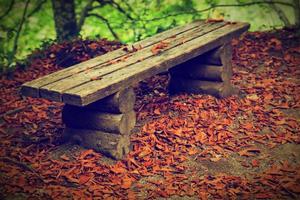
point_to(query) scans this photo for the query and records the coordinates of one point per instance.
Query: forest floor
(185, 146)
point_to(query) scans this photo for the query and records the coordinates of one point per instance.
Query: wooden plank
(92, 91)
(55, 90)
(32, 88)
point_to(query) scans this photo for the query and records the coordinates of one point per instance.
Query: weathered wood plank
(80, 117)
(55, 90)
(111, 145)
(32, 88)
(120, 102)
(94, 90)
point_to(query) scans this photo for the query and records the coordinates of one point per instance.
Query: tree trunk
(65, 19)
(297, 13)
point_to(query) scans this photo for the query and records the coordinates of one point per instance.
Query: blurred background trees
(29, 24)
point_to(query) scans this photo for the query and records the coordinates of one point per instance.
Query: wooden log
(120, 102)
(196, 70)
(217, 89)
(111, 145)
(80, 117)
(220, 56)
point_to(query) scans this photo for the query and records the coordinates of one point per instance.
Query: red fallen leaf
(71, 179)
(118, 169)
(268, 97)
(111, 62)
(154, 51)
(293, 187)
(84, 179)
(177, 132)
(145, 151)
(96, 78)
(85, 153)
(255, 163)
(263, 196)
(248, 126)
(126, 182)
(158, 47)
(157, 111)
(193, 151)
(201, 137)
(93, 46)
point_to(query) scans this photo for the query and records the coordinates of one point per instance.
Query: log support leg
(104, 126)
(209, 73)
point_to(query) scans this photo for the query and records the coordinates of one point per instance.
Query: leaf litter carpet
(185, 146)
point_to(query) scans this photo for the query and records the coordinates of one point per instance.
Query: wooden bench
(99, 99)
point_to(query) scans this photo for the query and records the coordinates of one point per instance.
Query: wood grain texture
(217, 89)
(80, 117)
(55, 90)
(120, 102)
(198, 71)
(94, 90)
(32, 88)
(111, 145)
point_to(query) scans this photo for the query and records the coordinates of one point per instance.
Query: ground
(184, 146)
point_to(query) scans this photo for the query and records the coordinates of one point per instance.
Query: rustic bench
(97, 93)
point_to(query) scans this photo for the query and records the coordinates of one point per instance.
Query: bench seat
(102, 76)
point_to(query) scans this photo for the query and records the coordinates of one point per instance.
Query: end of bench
(29, 91)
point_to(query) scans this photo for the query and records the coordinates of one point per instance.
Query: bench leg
(209, 73)
(104, 126)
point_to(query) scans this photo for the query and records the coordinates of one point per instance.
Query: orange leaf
(96, 78)
(126, 182)
(248, 126)
(71, 179)
(157, 111)
(177, 132)
(84, 179)
(255, 163)
(193, 151)
(118, 169)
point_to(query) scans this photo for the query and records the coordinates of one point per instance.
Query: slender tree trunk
(65, 19)
(297, 13)
(282, 16)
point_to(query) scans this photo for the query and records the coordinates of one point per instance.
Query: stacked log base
(209, 73)
(217, 89)
(104, 126)
(111, 145)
